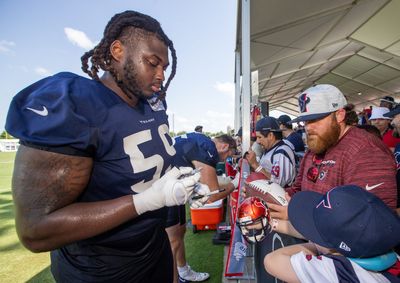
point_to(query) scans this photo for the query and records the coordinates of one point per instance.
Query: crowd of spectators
(342, 148)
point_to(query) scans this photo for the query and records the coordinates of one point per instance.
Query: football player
(93, 173)
(200, 152)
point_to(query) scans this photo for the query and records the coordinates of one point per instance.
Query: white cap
(378, 112)
(319, 101)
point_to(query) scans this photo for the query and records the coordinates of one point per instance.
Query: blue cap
(348, 219)
(284, 119)
(393, 113)
(268, 124)
(388, 99)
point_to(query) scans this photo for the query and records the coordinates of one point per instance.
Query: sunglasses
(313, 171)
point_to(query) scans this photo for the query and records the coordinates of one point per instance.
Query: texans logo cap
(319, 101)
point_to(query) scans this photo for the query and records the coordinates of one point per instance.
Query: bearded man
(338, 153)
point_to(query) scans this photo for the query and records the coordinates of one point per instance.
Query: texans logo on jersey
(303, 101)
(397, 158)
(156, 104)
(310, 257)
(322, 175)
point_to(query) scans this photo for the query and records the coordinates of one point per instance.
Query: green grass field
(20, 265)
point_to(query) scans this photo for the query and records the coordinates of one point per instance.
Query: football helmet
(253, 219)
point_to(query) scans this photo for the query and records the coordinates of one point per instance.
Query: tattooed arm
(45, 186)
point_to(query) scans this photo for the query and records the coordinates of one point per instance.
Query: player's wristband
(259, 168)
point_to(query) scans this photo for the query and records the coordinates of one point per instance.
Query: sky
(43, 37)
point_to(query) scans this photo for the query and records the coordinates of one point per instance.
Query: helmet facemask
(253, 220)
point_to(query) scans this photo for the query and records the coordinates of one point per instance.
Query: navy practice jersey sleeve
(59, 111)
(195, 147)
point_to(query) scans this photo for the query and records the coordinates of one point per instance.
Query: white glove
(200, 189)
(223, 180)
(235, 182)
(167, 191)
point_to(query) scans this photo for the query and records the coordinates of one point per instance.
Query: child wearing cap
(346, 222)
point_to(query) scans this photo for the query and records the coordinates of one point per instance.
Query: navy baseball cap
(284, 119)
(393, 113)
(348, 219)
(388, 99)
(268, 124)
(318, 102)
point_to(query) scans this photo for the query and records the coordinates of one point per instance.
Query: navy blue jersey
(297, 142)
(195, 147)
(130, 146)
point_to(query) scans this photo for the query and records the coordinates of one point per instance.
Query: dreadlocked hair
(125, 26)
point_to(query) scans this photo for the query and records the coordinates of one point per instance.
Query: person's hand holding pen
(198, 196)
(201, 194)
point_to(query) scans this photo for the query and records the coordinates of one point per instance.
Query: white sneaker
(191, 275)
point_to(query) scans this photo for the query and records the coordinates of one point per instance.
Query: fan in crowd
(278, 161)
(352, 234)
(292, 138)
(339, 153)
(382, 122)
(388, 102)
(395, 115)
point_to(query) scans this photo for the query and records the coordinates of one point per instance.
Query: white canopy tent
(293, 44)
